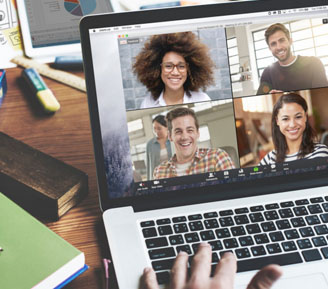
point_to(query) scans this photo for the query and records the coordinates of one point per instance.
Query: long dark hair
(279, 140)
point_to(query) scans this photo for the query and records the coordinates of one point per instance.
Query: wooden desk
(65, 135)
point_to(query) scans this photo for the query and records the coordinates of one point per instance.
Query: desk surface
(66, 136)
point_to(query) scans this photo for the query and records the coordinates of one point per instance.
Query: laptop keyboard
(280, 233)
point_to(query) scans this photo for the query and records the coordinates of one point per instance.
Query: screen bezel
(197, 195)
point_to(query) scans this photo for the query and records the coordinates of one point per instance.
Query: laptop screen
(211, 100)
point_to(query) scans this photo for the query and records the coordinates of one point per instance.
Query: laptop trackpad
(317, 281)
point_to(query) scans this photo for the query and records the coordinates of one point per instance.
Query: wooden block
(44, 186)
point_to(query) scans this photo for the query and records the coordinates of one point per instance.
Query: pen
(106, 262)
(40, 89)
(3, 84)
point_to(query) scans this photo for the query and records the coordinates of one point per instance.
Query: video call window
(217, 82)
(310, 38)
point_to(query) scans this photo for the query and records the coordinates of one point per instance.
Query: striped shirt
(320, 151)
(205, 160)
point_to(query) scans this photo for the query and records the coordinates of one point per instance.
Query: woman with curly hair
(293, 137)
(174, 67)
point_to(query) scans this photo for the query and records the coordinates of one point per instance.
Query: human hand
(200, 271)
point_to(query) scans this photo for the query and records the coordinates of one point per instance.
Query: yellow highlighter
(45, 96)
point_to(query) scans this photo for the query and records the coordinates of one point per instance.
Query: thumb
(265, 278)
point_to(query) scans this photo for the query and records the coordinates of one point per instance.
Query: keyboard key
(261, 238)
(241, 219)
(165, 230)
(216, 245)
(268, 226)
(287, 204)
(312, 220)
(147, 224)
(163, 264)
(300, 211)
(180, 228)
(283, 224)
(306, 232)
(192, 238)
(211, 224)
(184, 248)
(195, 217)
(238, 231)
(253, 229)
(298, 222)
(258, 263)
(241, 211)
(246, 241)
(304, 244)
(321, 229)
(226, 213)
(324, 218)
(325, 207)
(291, 234)
(273, 248)
(316, 200)
(271, 215)
(179, 219)
(272, 206)
(176, 240)
(215, 257)
(315, 209)
(276, 236)
(222, 233)
(226, 222)
(149, 232)
(302, 202)
(165, 221)
(324, 252)
(258, 251)
(256, 208)
(196, 226)
(319, 241)
(242, 253)
(288, 246)
(207, 235)
(163, 277)
(311, 255)
(210, 215)
(230, 243)
(256, 217)
(156, 242)
(161, 253)
(286, 213)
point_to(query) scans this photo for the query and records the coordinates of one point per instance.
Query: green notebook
(33, 256)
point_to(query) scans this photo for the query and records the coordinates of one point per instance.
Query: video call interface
(223, 104)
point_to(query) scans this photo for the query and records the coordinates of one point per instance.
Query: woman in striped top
(293, 137)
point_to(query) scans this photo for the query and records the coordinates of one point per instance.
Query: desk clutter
(31, 255)
(44, 186)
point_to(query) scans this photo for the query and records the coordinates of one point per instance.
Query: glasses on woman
(169, 66)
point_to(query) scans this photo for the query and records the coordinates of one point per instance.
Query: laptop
(181, 103)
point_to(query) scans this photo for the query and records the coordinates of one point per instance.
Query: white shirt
(196, 96)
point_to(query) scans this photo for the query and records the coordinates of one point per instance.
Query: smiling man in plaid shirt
(183, 130)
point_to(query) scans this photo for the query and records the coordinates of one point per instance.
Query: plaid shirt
(205, 160)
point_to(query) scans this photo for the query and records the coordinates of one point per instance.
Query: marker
(40, 89)
(68, 63)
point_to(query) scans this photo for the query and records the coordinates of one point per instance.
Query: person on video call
(223, 277)
(174, 67)
(290, 72)
(188, 159)
(158, 149)
(292, 135)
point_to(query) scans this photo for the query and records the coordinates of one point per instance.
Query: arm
(319, 77)
(265, 83)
